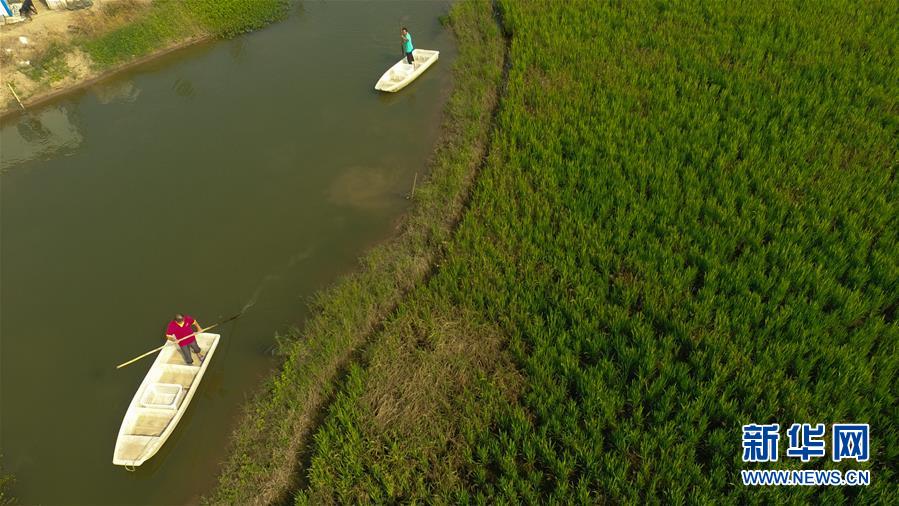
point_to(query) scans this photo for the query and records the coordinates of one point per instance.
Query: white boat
(401, 74)
(160, 401)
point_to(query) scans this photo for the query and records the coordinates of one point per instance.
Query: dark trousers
(409, 58)
(185, 352)
(27, 8)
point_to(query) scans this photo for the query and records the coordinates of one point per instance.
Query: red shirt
(180, 331)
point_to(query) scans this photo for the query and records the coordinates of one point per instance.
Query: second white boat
(400, 75)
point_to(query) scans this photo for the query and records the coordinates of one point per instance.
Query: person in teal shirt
(407, 45)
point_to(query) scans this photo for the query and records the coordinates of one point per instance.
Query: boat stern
(132, 451)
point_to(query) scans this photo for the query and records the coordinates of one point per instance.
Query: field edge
(263, 463)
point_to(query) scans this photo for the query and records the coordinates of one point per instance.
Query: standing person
(407, 45)
(181, 327)
(27, 9)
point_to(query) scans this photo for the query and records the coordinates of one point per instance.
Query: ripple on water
(183, 88)
(41, 135)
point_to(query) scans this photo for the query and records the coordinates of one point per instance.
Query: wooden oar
(154, 350)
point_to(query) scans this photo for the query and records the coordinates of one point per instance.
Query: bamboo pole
(154, 350)
(15, 95)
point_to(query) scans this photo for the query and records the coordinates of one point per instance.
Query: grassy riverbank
(687, 222)
(170, 21)
(114, 34)
(270, 445)
(5, 481)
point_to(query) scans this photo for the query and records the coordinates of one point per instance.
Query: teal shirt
(407, 46)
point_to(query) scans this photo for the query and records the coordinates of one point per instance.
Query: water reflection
(32, 130)
(116, 91)
(42, 135)
(237, 49)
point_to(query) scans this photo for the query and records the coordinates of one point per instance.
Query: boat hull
(160, 402)
(402, 74)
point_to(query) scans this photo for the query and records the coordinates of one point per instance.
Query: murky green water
(257, 168)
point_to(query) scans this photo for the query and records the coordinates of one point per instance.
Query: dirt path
(45, 24)
(22, 44)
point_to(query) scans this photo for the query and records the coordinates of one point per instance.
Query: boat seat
(162, 396)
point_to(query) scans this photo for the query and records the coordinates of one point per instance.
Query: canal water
(253, 171)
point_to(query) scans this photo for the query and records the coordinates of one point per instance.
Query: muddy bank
(40, 58)
(11, 109)
(60, 51)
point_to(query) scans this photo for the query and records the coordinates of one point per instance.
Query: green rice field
(686, 221)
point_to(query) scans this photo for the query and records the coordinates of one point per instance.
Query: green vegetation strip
(688, 222)
(50, 66)
(6, 481)
(170, 21)
(276, 429)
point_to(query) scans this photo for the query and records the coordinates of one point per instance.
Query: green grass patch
(688, 221)
(6, 480)
(226, 18)
(168, 21)
(50, 66)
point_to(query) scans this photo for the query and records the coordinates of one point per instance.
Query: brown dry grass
(421, 378)
(414, 382)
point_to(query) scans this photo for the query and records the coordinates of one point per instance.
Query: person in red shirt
(179, 328)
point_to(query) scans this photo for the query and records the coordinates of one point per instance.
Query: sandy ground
(42, 30)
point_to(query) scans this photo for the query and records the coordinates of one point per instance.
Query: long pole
(15, 95)
(399, 21)
(154, 350)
